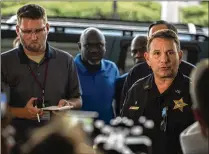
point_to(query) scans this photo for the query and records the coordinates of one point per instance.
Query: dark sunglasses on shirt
(163, 124)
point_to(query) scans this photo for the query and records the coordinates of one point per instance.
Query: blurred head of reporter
(62, 135)
(194, 139)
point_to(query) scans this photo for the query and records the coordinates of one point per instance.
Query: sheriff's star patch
(179, 104)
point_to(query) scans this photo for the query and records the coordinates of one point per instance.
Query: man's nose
(164, 58)
(34, 36)
(94, 49)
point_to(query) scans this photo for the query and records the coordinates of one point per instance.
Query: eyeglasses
(30, 32)
(163, 124)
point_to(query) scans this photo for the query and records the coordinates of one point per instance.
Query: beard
(93, 58)
(33, 46)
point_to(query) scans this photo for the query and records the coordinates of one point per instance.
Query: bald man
(97, 75)
(138, 48)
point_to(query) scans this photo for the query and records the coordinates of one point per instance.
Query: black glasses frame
(30, 32)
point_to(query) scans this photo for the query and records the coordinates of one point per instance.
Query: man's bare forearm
(18, 112)
(77, 102)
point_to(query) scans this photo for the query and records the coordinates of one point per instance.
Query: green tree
(137, 11)
(195, 14)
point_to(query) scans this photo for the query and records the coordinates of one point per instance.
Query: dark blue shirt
(98, 88)
(61, 76)
(61, 82)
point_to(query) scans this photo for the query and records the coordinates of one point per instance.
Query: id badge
(46, 115)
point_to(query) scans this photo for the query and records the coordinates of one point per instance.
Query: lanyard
(41, 86)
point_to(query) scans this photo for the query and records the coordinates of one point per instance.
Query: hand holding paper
(64, 102)
(57, 108)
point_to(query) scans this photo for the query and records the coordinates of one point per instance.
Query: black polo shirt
(141, 70)
(118, 89)
(61, 81)
(144, 99)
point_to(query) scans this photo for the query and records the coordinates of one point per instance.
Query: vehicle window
(70, 47)
(190, 54)
(129, 63)
(185, 54)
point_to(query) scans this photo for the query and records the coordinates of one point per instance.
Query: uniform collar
(83, 68)
(50, 53)
(150, 81)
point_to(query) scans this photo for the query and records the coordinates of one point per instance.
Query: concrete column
(170, 11)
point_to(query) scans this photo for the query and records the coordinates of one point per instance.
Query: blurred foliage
(140, 11)
(195, 14)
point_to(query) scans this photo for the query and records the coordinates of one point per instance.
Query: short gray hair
(164, 33)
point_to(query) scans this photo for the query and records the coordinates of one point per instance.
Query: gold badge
(179, 104)
(133, 107)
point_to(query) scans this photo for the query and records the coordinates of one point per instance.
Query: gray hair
(164, 33)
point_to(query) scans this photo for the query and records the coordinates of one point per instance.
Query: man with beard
(37, 74)
(162, 96)
(97, 75)
(138, 48)
(141, 70)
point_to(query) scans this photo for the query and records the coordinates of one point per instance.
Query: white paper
(57, 108)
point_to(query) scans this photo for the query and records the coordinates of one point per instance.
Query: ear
(146, 56)
(17, 30)
(180, 54)
(79, 45)
(47, 27)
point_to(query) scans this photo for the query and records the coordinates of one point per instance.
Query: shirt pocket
(133, 113)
